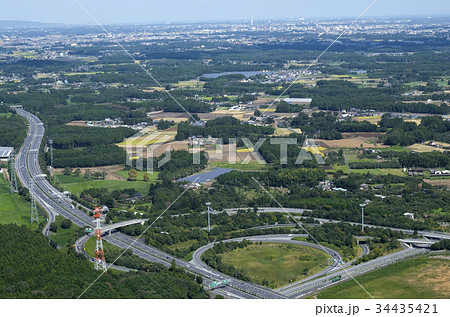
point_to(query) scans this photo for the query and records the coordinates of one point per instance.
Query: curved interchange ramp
(55, 203)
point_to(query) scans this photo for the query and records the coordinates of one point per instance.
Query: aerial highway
(55, 203)
(305, 289)
(296, 214)
(277, 238)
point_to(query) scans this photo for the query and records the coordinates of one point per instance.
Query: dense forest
(325, 125)
(406, 133)
(31, 268)
(87, 146)
(225, 128)
(13, 129)
(88, 157)
(69, 137)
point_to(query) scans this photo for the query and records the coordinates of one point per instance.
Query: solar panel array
(205, 176)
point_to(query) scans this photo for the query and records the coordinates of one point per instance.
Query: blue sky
(151, 11)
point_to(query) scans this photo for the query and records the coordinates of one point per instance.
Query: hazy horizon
(210, 11)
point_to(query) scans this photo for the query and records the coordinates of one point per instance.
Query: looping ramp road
(55, 203)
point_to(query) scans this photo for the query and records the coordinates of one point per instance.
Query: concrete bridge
(417, 242)
(113, 226)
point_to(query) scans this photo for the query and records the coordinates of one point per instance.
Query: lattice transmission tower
(51, 152)
(34, 212)
(12, 171)
(100, 263)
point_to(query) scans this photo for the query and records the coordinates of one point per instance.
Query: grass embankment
(425, 277)
(89, 246)
(347, 253)
(63, 236)
(14, 208)
(76, 185)
(276, 264)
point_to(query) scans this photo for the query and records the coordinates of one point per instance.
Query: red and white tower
(100, 263)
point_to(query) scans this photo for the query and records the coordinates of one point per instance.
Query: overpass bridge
(113, 226)
(418, 243)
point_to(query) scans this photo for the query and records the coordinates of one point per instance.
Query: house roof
(6, 151)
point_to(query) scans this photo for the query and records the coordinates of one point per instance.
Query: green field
(380, 171)
(62, 236)
(89, 246)
(140, 174)
(77, 188)
(251, 166)
(69, 179)
(277, 263)
(183, 245)
(417, 278)
(14, 208)
(345, 252)
(4, 185)
(76, 185)
(397, 148)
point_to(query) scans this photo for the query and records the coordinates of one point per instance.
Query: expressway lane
(31, 177)
(282, 238)
(306, 289)
(288, 288)
(150, 253)
(54, 203)
(296, 214)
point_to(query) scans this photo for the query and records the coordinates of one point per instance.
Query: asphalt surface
(31, 176)
(55, 203)
(306, 289)
(280, 238)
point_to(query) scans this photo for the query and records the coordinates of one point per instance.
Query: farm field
(439, 182)
(150, 136)
(371, 119)
(355, 142)
(152, 176)
(277, 263)
(424, 148)
(417, 278)
(251, 166)
(78, 188)
(380, 171)
(109, 170)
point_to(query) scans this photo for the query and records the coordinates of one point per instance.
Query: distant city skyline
(151, 11)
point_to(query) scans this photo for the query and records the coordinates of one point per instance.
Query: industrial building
(5, 154)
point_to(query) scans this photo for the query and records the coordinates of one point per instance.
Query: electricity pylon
(12, 171)
(100, 263)
(34, 213)
(51, 152)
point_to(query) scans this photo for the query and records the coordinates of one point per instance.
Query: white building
(5, 153)
(409, 215)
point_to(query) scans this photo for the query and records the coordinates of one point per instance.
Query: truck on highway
(335, 278)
